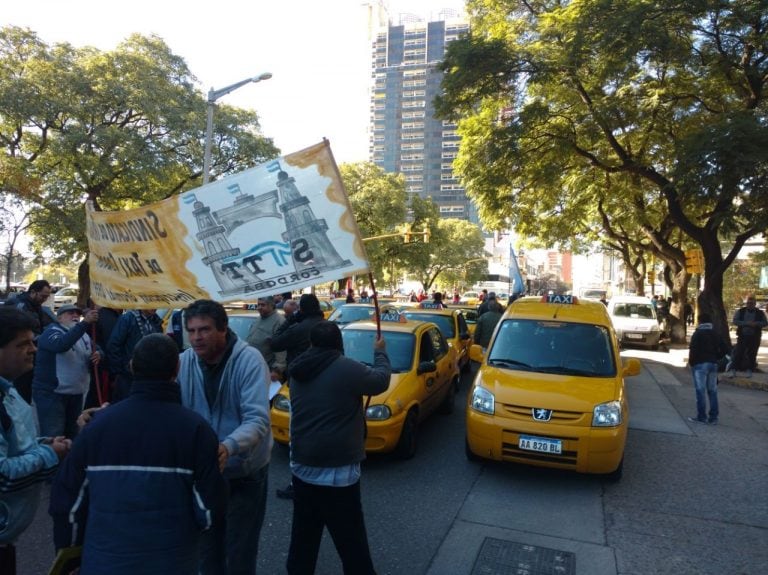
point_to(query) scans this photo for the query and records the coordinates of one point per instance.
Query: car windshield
(347, 314)
(241, 324)
(443, 322)
(358, 344)
(634, 310)
(553, 347)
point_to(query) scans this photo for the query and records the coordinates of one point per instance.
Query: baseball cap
(68, 307)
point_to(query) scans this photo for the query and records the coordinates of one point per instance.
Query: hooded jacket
(706, 345)
(240, 412)
(327, 417)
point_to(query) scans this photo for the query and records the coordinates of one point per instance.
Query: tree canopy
(121, 128)
(644, 116)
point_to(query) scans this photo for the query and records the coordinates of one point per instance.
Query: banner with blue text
(281, 226)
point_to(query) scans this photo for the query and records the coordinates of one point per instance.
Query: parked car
(550, 389)
(635, 321)
(65, 296)
(424, 379)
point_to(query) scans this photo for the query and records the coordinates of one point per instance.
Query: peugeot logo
(540, 414)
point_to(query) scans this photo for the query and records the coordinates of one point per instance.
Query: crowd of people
(170, 475)
(158, 457)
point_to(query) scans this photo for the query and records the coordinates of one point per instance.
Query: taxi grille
(523, 412)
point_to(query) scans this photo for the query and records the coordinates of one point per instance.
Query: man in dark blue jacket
(142, 480)
(129, 329)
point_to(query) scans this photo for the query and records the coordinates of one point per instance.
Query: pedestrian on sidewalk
(705, 350)
(750, 322)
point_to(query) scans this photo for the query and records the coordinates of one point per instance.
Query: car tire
(409, 437)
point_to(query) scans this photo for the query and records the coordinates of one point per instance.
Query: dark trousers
(340, 510)
(745, 352)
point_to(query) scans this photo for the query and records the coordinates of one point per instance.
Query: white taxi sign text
(558, 298)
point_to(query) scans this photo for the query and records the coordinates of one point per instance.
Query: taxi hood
(552, 391)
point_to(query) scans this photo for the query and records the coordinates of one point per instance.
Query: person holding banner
(227, 382)
(327, 446)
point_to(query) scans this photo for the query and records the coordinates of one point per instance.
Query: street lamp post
(214, 95)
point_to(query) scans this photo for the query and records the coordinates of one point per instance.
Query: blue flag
(518, 287)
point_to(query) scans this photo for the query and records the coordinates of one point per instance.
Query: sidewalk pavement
(678, 353)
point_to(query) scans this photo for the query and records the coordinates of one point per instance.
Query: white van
(634, 319)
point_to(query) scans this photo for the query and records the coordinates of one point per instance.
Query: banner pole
(375, 305)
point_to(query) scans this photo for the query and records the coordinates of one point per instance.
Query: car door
(444, 358)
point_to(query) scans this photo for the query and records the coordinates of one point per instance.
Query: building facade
(405, 136)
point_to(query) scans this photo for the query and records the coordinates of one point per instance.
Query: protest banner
(281, 226)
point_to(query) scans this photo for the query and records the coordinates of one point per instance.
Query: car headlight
(655, 327)
(281, 402)
(607, 414)
(483, 401)
(378, 412)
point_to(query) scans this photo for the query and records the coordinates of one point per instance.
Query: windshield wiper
(564, 370)
(508, 362)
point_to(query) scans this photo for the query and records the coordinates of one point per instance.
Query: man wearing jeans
(227, 381)
(705, 350)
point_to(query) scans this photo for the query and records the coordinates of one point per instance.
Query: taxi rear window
(553, 347)
(444, 322)
(358, 344)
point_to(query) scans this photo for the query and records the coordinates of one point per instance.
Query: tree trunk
(676, 320)
(711, 302)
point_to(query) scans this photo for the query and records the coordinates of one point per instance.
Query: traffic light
(694, 261)
(407, 233)
(651, 276)
(426, 234)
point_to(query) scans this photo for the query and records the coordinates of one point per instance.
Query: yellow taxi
(470, 316)
(451, 322)
(550, 388)
(425, 378)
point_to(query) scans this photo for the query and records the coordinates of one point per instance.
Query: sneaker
(286, 493)
(698, 419)
(732, 373)
(712, 421)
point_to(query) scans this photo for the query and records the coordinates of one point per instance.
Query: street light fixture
(214, 95)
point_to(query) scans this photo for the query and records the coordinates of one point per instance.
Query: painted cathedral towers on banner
(302, 226)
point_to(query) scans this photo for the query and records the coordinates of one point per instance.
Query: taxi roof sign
(393, 316)
(559, 298)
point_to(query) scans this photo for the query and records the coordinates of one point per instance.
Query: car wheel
(469, 453)
(616, 474)
(409, 437)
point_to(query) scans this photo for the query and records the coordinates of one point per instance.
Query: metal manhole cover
(500, 557)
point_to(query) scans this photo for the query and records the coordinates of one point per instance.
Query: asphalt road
(692, 500)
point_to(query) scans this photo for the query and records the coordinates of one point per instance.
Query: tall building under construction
(405, 137)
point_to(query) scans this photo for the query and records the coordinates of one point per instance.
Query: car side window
(425, 348)
(439, 345)
(462, 324)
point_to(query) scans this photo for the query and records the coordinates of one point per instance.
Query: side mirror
(476, 353)
(631, 366)
(426, 367)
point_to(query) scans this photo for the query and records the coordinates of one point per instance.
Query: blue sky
(318, 53)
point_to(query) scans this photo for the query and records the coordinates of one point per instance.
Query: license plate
(634, 335)
(541, 444)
